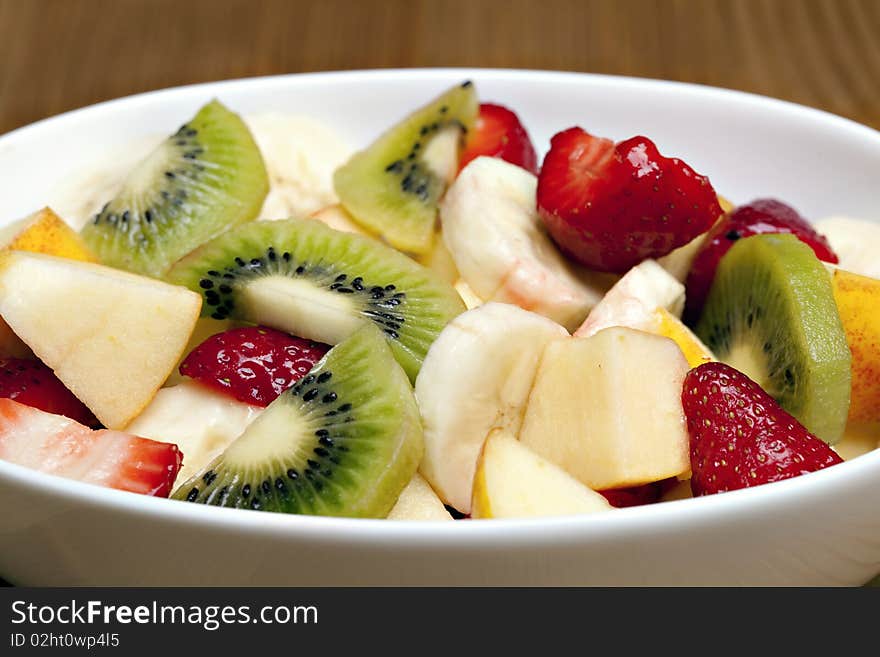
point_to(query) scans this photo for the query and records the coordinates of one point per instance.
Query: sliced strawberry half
(58, 445)
(610, 206)
(252, 364)
(499, 133)
(33, 383)
(740, 436)
(755, 218)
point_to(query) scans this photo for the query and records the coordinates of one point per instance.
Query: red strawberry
(58, 445)
(740, 436)
(499, 133)
(610, 207)
(252, 364)
(761, 216)
(33, 383)
(638, 495)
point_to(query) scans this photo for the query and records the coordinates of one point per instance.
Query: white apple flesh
(110, 336)
(418, 501)
(513, 481)
(607, 409)
(502, 251)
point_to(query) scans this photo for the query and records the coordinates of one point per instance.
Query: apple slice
(858, 304)
(607, 409)
(418, 501)
(45, 232)
(512, 481)
(42, 232)
(111, 337)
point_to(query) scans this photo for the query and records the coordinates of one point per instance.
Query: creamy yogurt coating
(300, 153)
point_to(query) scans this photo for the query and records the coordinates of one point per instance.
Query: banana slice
(856, 243)
(476, 377)
(502, 250)
(301, 154)
(642, 289)
(440, 261)
(513, 481)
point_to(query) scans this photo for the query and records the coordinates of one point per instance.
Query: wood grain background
(57, 55)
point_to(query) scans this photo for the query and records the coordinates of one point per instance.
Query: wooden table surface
(57, 55)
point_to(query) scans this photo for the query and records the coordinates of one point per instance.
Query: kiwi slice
(393, 186)
(299, 276)
(343, 441)
(206, 177)
(771, 314)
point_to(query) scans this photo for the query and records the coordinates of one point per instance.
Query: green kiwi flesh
(391, 187)
(201, 180)
(771, 314)
(343, 441)
(299, 276)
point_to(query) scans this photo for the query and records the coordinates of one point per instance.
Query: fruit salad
(440, 325)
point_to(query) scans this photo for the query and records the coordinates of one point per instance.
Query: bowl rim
(446, 73)
(757, 500)
(544, 530)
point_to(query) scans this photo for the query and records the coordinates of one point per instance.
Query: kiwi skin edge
(771, 313)
(203, 179)
(386, 288)
(355, 441)
(390, 188)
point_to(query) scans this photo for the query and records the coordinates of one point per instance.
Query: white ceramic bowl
(822, 528)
